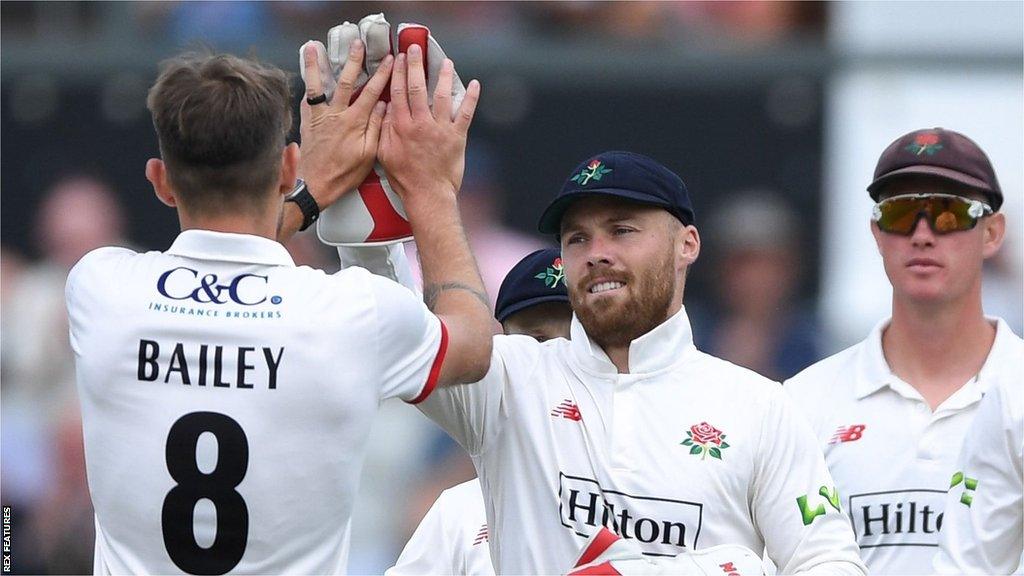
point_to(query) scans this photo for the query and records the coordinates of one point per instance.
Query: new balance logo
(481, 536)
(730, 569)
(847, 434)
(568, 409)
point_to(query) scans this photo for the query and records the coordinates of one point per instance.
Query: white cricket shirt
(982, 531)
(451, 539)
(227, 396)
(890, 455)
(686, 451)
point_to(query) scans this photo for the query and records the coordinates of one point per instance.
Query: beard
(617, 323)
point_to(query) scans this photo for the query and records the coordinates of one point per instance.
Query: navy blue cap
(624, 175)
(537, 278)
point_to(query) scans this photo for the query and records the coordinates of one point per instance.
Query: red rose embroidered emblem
(705, 439)
(927, 143)
(705, 433)
(553, 275)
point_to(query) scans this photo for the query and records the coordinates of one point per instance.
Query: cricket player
(452, 537)
(627, 425)
(983, 529)
(227, 394)
(891, 412)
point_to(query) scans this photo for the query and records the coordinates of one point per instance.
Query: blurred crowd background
(772, 112)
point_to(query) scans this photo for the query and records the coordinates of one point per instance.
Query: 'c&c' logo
(245, 289)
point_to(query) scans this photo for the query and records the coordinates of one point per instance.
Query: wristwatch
(306, 203)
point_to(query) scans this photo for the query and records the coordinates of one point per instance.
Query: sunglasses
(945, 213)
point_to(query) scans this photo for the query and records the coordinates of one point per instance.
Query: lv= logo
(808, 514)
(970, 485)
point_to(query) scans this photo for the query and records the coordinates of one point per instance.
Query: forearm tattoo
(432, 292)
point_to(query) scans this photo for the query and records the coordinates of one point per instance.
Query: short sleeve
(410, 341)
(82, 292)
(474, 414)
(73, 301)
(795, 505)
(982, 525)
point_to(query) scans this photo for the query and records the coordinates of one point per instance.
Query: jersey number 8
(218, 486)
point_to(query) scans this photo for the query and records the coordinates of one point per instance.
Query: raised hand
(423, 150)
(339, 139)
(375, 215)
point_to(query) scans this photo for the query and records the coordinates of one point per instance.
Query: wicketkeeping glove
(373, 214)
(608, 554)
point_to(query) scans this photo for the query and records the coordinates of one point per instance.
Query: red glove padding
(608, 554)
(373, 214)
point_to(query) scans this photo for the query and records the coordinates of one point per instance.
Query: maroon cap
(938, 152)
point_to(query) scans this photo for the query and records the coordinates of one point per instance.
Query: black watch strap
(306, 203)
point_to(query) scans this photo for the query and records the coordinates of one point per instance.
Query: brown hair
(222, 122)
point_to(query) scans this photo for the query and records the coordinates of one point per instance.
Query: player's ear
(994, 232)
(687, 241)
(289, 168)
(156, 173)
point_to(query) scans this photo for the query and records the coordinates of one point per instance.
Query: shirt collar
(874, 372)
(656, 350)
(230, 247)
(1006, 345)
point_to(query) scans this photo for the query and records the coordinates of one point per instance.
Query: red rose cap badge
(940, 153)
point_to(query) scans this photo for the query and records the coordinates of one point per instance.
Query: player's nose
(598, 251)
(922, 234)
